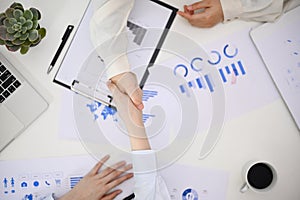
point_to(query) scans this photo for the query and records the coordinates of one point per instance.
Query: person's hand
(127, 83)
(132, 118)
(128, 112)
(209, 15)
(97, 185)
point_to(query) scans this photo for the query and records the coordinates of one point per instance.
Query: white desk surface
(267, 133)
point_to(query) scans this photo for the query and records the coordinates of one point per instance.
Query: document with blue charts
(245, 82)
(30, 179)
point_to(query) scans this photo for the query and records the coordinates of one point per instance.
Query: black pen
(61, 46)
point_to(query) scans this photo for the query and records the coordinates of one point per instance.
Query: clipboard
(139, 22)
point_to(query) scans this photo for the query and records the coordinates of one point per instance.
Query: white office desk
(267, 133)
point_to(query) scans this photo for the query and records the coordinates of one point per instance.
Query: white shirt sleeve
(106, 26)
(148, 184)
(256, 10)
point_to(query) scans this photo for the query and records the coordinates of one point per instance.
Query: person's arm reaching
(207, 13)
(106, 27)
(148, 184)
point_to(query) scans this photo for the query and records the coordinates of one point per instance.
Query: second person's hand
(210, 13)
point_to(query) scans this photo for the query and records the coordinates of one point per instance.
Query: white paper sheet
(59, 174)
(279, 46)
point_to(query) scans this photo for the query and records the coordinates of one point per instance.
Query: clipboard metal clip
(92, 93)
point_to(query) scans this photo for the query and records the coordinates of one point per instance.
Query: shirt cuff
(144, 161)
(232, 9)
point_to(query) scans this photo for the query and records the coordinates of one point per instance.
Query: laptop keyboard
(8, 83)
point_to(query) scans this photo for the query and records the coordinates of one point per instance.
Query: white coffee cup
(259, 176)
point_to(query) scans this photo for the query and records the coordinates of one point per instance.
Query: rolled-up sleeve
(254, 10)
(106, 26)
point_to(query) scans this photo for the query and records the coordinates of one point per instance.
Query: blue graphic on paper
(12, 182)
(105, 111)
(24, 184)
(232, 71)
(47, 183)
(190, 194)
(98, 109)
(146, 117)
(28, 197)
(147, 94)
(5, 181)
(36, 183)
(74, 180)
(58, 182)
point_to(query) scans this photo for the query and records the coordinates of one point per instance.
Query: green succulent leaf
(24, 49)
(13, 48)
(18, 42)
(17, 13)
(36, 13)
(26, 43)
(42, 32)
(2, 18)
(37, 41)
(17, 35)
(2, 42)
(28, 24)
(17, 6)
(33, 35)
(3, 31)
(28, 14)
(8, 43)
(24, 29)
(6, 23)
(24, 36)
(22, 20)
(10, 36)
(9, 12)
(35, 24)
(10, 30)
(12, 21)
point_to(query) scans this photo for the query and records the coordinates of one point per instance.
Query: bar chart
(226, 61)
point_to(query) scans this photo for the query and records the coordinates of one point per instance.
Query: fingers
(109, 170)
(185, 15)
(119, 180)
(127, 83)
(198, 5)
(111, 195)
(97, 167)
(115, 173)
(136, 97)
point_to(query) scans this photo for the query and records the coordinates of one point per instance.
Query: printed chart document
(279, 45)
(146, 27)
(27, 179)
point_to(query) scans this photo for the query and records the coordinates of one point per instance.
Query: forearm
(138, 138)
(106, 27)
(264, 10)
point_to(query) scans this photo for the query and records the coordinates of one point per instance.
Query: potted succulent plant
(20, 29)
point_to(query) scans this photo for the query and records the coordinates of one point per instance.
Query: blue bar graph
(234, 69)
(147, 94)
(74, 181)
(209, 82)
(191, 84)
(241, 67)
(199, 83)
(222, 75)
(227, 70)
(147, 116)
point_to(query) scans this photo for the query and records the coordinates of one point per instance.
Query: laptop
(20, 103)
(279, 46)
